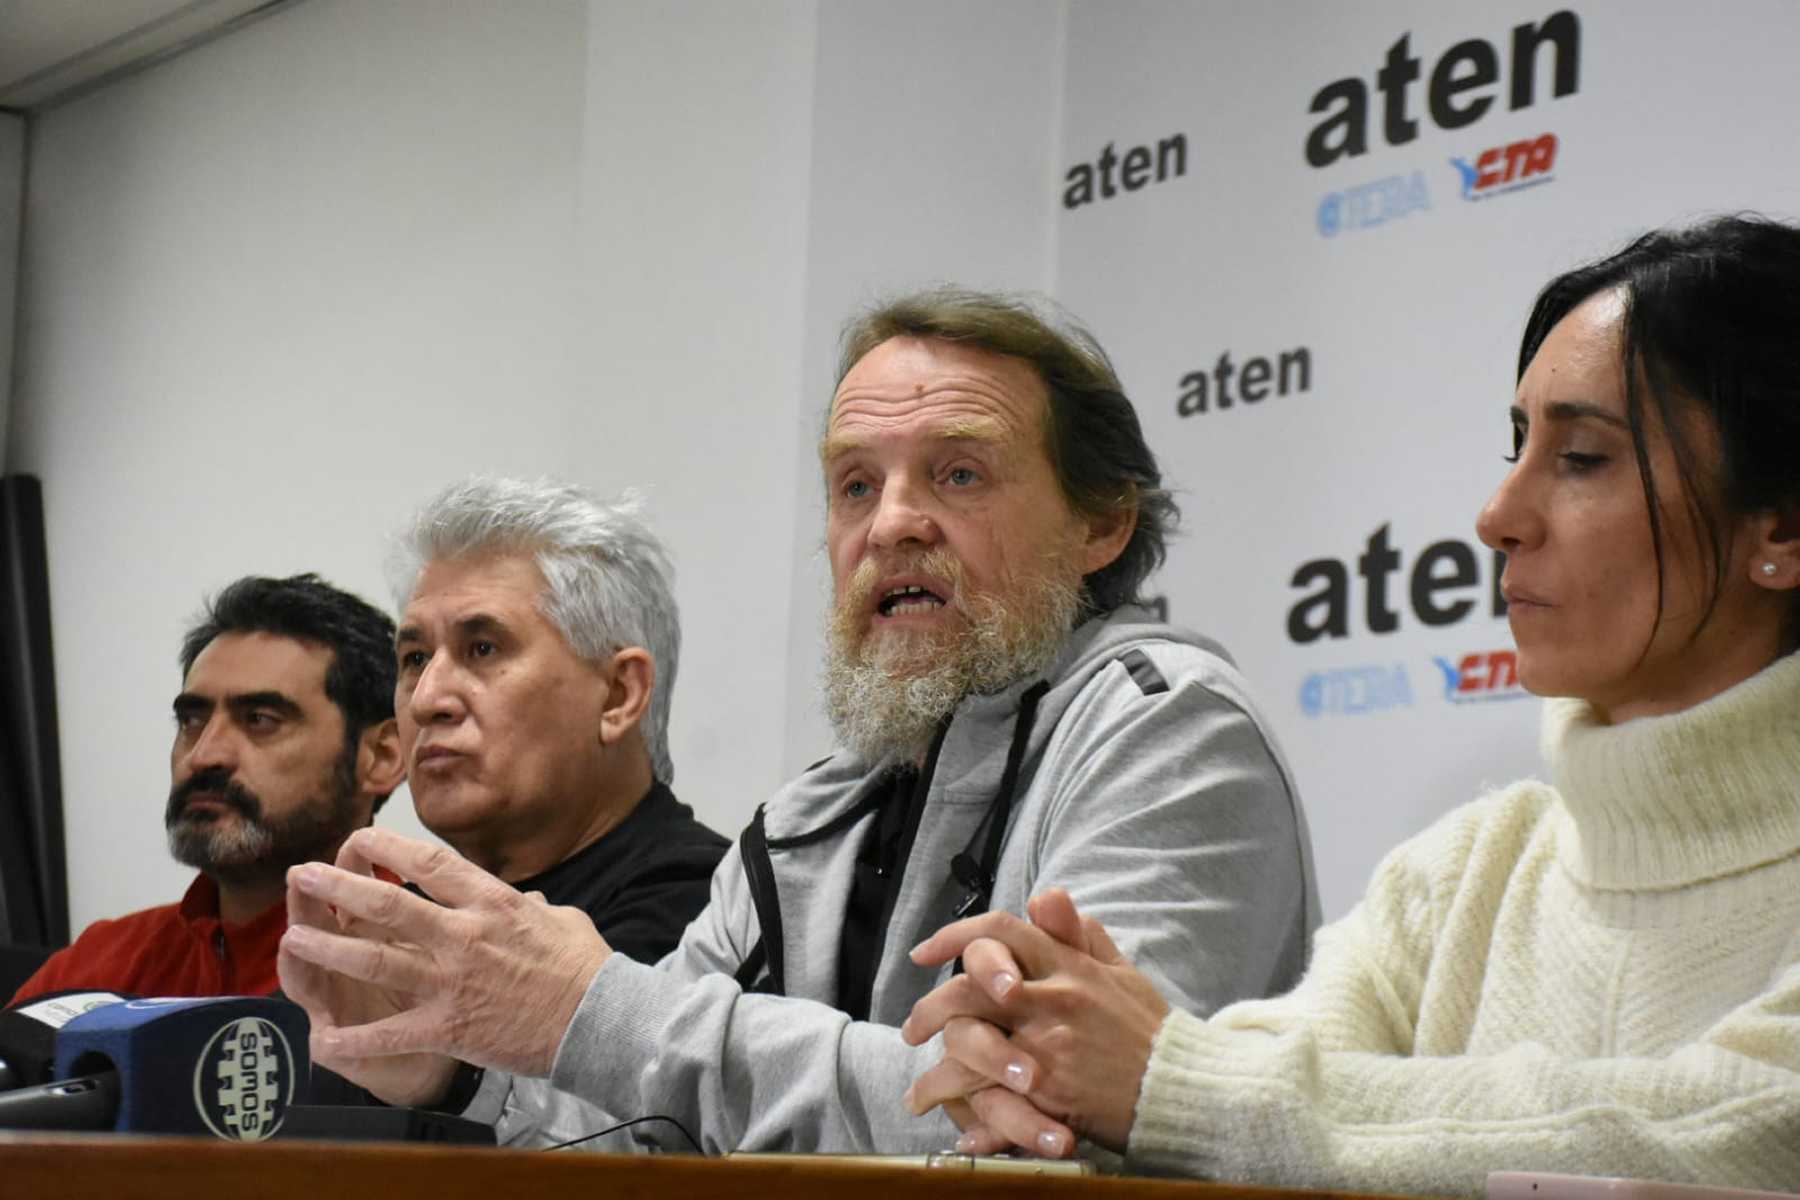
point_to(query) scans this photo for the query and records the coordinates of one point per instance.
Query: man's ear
(631, 677)
(380, 766)
(1108, 535)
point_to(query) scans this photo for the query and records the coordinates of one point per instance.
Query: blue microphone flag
(225, 1067)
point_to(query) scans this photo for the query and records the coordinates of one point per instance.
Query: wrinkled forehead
(939, 389)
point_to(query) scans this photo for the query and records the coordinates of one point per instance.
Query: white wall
(275, 293)
(282, 288)
(691, 272)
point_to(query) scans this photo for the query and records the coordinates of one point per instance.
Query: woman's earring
(1770, 568)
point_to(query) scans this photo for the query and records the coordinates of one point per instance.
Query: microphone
(229, 1068)
(87, 1103)
(28, 1033)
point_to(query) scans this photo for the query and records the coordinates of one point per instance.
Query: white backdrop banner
(1309, 235)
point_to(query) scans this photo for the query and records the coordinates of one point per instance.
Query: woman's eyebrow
(1571, 410)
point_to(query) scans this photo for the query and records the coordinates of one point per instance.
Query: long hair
(1711, 324)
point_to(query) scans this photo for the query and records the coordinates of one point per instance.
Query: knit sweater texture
(1599, 977)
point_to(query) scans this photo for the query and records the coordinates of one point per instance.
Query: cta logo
(1371, 204)
(1351, 691)
(1508, 168)
(1482, 676)
(244, 1080)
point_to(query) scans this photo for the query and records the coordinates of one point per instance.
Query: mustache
(936, 562)
(218, 781)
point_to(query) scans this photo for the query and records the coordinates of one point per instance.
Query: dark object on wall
(34, 888)
(17, 964)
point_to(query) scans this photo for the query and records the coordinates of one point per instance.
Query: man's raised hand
(398, 987)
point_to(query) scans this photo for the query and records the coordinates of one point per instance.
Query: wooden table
(122, 1167)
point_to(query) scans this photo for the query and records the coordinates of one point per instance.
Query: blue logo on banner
(1331, 214)
(1370, 204)
(1351, 691)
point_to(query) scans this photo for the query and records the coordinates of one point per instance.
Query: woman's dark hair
(1095, 443)
(360, 679)
(1711, 324)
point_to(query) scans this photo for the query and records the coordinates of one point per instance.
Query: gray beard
(256, 847)
(243, 844)
(887, 700)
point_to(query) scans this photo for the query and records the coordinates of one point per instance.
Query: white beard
(886, 693)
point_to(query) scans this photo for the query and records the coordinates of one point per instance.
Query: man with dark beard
(284, 743)
(1011, 718)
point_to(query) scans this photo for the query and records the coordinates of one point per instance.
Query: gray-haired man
(1012, 720)
(537, 650)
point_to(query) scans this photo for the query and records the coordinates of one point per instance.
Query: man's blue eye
(962, 476)
(856, 489)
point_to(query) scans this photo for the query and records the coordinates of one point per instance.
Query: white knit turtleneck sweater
(1600, 978)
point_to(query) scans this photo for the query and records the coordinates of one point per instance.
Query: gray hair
(607, 577)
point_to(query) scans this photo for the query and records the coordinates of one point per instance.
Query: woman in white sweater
(1598, 975)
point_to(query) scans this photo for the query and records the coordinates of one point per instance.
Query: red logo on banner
(1508, 168)
(1484, 675)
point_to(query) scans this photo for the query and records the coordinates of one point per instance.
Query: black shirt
(879, 865)
(643, 880)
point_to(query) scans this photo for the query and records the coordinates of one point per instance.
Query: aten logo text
(1444, 586)
(1455, 96)
(1257, 380)
(1134, 170)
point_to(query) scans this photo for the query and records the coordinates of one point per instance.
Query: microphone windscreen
(228, 1067)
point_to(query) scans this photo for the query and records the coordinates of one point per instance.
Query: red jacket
(172, 950)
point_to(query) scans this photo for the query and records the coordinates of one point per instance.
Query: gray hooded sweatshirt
(1147, 785)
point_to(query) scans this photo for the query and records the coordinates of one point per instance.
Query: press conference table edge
(163, 1168)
